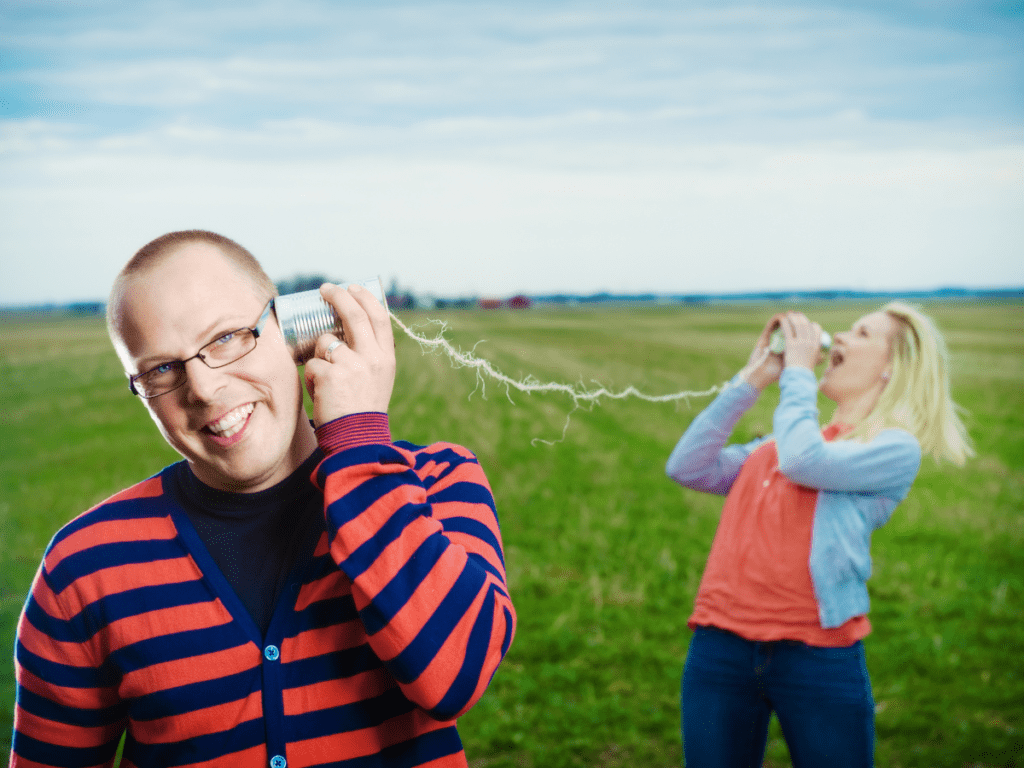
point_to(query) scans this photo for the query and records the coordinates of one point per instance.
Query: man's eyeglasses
(222, 351)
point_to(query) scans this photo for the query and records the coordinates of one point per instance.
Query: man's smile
(231, 423)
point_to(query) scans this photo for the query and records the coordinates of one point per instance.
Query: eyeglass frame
(256, 330)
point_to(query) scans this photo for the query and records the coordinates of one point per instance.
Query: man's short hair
(156, 251)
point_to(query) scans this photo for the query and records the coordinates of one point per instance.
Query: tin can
(777, 342)
(305, 316)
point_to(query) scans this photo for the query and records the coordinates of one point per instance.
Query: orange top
(757, 582)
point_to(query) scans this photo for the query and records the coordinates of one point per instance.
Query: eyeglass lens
(220, 352)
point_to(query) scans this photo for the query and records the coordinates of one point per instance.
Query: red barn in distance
(516, 302)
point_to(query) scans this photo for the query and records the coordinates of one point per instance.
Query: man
(285, 596)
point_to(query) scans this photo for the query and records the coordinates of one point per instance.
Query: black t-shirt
(257, 539)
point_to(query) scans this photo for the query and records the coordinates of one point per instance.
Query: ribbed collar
(243, 505)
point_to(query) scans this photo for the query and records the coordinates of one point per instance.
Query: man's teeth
(232, 422)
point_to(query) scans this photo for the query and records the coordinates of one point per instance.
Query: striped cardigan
(393, 630)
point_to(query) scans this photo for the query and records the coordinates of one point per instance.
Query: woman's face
(859, 364)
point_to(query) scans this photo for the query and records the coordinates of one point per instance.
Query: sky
(482, 148)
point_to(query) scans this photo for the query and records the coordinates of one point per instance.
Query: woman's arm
(889, 462)
(700, 461)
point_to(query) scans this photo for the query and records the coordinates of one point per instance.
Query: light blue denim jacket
(859, 484)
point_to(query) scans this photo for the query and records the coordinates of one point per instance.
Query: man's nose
(203, 382)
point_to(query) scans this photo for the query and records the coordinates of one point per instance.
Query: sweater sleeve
(700, 459)
(416, 531)
(67, 711)
(888, 463)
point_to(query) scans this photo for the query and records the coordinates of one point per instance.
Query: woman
(781, 610)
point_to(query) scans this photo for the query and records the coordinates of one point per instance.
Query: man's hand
(358, 374)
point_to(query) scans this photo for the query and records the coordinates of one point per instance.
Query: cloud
(721, 218)
(400, 63)
(535, 146)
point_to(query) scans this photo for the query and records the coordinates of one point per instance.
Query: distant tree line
(397, 299)
(300, 283)
(405, 299)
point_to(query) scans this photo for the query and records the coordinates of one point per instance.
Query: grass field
(604, 553)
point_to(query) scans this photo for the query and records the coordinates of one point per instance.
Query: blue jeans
(731, 686)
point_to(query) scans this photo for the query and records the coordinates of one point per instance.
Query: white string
(578, 393)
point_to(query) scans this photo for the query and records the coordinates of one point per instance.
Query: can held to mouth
(777, 342)
(305, 316)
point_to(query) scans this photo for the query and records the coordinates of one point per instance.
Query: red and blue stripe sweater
(389, 632)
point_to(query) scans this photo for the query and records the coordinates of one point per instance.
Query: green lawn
(604, 553)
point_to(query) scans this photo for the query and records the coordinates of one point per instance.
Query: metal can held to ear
(305, 316)
(777, 342)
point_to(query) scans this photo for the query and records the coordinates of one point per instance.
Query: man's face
(241, 427)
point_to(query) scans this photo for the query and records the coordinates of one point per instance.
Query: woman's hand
(763, 367)
(803, 340)
(358, 374)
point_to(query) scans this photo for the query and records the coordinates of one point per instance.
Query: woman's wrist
(800, 364)
(755, 378)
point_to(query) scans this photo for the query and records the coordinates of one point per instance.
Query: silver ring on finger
(330, 348)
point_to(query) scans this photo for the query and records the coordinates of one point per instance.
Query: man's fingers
(378, 316)
(328, 347)
(355, 318)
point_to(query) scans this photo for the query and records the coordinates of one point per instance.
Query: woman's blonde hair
(917, 397)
